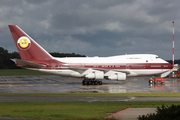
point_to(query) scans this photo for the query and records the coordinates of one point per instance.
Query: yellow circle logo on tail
(24, 42)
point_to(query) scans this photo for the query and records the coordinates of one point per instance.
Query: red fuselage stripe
(54, 64)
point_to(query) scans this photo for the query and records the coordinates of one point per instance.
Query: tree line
(7, 63)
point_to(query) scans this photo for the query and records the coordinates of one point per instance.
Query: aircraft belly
(69, 73)
(144, 72)
(61, 72)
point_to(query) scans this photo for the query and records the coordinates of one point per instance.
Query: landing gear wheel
(85, 83)
(100, 82)
(150, 82)
(95, 83)
(89, 83)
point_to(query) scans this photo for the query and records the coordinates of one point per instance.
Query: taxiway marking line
(117, 113)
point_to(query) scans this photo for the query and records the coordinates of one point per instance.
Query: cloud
(100, 27)
(64, 43)
(114, 26)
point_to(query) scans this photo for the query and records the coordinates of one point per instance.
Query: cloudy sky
(95, 27)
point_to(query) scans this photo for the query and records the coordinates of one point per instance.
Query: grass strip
(95, 94)
(70, 110)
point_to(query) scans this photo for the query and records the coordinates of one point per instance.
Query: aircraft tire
(83, 83)
(150, 82)
(100, 82)
(89, 83)
(95, 83)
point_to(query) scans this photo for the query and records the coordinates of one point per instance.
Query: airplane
(92, 69)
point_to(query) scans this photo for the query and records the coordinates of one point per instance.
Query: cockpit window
(157, 57)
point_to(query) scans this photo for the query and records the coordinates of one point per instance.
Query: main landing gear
(91, 82)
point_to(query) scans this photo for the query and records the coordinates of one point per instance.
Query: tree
(5, 59)
(56, 54)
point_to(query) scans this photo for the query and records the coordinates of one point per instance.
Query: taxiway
(81, 99)
(56, 84)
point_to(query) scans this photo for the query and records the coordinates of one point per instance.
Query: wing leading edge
(90, 73)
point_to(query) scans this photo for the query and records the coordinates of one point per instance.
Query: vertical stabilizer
(27, 47)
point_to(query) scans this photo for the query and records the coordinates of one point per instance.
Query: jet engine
(99, 75)
(117, 76)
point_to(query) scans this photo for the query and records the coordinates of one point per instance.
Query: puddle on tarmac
(56, 84)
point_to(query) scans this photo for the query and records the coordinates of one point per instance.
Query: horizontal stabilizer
(25, 64)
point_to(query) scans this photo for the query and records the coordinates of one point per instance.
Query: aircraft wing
(106, 70)
(82, 70)
(79, 70)
(90, 73)
(26, 64)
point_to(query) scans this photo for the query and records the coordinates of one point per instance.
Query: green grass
(96, 94)
(70, 110)
(17, 72)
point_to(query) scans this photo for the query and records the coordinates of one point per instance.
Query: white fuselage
(133, 65)
(34, 57)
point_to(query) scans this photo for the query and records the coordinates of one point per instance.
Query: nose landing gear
(150, 81)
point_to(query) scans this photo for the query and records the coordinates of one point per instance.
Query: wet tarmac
(57, 84)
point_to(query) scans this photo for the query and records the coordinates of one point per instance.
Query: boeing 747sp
(92, 69)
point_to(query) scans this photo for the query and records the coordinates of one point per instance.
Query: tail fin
(27, 47)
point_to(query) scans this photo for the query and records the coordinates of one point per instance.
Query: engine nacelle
(117, 76)
(95, 75)
(90, 76)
